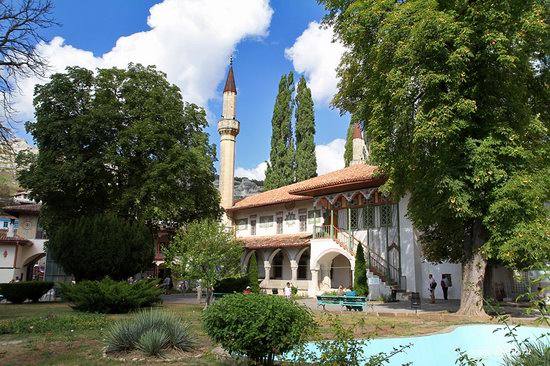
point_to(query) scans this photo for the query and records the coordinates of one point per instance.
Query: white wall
(289, 226)
(437, 270)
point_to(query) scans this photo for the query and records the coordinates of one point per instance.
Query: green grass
(62, 336)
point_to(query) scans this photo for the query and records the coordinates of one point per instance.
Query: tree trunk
(473, 274)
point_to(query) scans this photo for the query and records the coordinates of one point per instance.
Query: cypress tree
(360, 284)
(306, 162)
(253, 274)
(280, 170)
(348, 148)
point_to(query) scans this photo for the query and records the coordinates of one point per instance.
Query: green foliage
(253, 274)
(119, 140)
(102, 245)
(111, 297)
(456, 95)
(280, 170)
(533, 354)
(258, 326)
(360, 282)
(18, 292)
(53, 323)
(152, 332)
(306, 162)
(232, 284)
(205, 251)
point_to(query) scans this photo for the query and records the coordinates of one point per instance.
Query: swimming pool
(439, 349)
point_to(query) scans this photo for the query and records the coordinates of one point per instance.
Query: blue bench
(356, 303)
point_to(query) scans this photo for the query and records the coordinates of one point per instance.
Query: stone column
(314, 284)
(294, 269)
(267, 271)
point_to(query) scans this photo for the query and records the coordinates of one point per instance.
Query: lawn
(54, 334)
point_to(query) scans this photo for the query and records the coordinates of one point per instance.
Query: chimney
(358, 146)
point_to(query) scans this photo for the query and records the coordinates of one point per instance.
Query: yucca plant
(152, 332)
(154, 342)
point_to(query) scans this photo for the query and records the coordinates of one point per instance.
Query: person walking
(445, 286)
(288, 291)
(431, 286)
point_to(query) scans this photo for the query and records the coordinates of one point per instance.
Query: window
(266, 221)
(368, 217)
(40, 232)
(314, 217)
(303, 223)
(252, 227)
(385, 215)
(279, 225)
(278, 266)
(6, 224)
(354, 218)
(241, 224)
(303, 265)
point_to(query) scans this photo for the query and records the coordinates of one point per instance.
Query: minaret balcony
(228, 126)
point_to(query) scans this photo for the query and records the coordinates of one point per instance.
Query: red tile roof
(360, 173)
(24, 208)
(277, 241)
(16, 239)
(272, 197)
(353, 174)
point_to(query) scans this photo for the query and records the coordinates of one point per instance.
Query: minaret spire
(358, 146)
(228, 128)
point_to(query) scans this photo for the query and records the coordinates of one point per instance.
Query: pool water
(479, 341)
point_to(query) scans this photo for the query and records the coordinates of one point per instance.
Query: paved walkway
(400, 308)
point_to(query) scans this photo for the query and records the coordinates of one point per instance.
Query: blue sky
(191, 41)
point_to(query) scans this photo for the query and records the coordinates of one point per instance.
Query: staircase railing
(375, 262)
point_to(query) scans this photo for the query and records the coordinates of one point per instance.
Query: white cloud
(257, 173)
(330, 157)
(315, 55)
(190, 40)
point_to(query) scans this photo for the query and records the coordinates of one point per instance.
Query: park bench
(356, 303)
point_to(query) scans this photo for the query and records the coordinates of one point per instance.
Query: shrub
(232, 284)
(102, 245)
(152, 332)
(258, 326)
(531, 354)
(20, 291)
(110, 297)
(360, 282)
(253, 274)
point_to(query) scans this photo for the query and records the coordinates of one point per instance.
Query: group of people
(344, 291)
(432, 285)
(287, 291)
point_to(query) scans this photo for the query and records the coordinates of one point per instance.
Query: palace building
(307, 233)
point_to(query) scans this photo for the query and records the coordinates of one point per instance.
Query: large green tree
(204, 251)
(92, 247)
(121, 141)
(456, 94)
(280, 170)
(306, 162)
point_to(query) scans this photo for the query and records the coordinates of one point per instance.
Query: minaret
(228, 128)
(358, 146)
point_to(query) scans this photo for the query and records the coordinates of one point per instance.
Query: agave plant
(152, 332)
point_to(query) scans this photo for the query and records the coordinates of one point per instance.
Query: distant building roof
(25, 208)
(15, 239)
(277, 241)
(356, 176)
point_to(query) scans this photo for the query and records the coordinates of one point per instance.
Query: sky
(192, 41)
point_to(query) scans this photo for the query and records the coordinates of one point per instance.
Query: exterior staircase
(382, 276)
